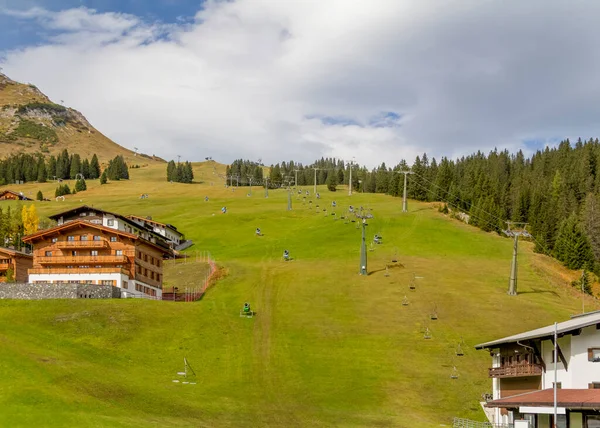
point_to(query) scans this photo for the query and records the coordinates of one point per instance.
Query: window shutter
(590, 354)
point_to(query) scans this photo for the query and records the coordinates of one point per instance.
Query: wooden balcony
(77, 271)
(82, 244)
(4, 266)
(517, 370)
(79, 260)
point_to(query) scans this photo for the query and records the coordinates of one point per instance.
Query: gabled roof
(74, 211)
(80, 223)
(565, 327)
(12, 192)
(11, 252)
(569, 398)
(147, 220)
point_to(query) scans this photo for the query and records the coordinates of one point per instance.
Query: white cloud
(251, 78)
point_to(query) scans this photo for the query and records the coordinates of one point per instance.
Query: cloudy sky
(378, 80)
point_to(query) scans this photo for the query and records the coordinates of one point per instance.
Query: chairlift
(427, 334)
(372, 247)
(405, 301)
(413, 285)
(387, 271)
(459, 351)
(454, 374)
(434, 315)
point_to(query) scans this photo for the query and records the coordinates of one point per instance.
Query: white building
(523, 369)
(168, 231)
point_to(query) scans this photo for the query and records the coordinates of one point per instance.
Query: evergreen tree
(572, 247)
(94, 167)
(75, 167)
(171, 167)
(51, 167)
(39, 196)
(103, 177)
(42, 174)
(331, 181)
(80, 185)
(85, 168)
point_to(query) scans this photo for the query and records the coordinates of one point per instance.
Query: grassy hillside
(50, 127)
(328, 347)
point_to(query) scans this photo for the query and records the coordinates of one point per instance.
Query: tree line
(180, 172)
(25, 168)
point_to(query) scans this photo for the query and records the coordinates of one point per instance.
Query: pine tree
(75, 166)
(94, 167)
(51, 167)
(331, 181)
(572, 247)
(42, 174)
(171, 171)
(39, 196)
(103, 177)
(80, 185)
(85, 168)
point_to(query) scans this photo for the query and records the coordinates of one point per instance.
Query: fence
(191, 294)
(467, 423)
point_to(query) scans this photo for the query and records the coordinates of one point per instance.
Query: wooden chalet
(18, 261)
(10, 195)
(79, 251)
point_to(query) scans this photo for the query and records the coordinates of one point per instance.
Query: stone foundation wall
(58, 291)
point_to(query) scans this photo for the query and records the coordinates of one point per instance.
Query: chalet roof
(569, 398)
(11, 252)
(74, 211)
(79, 223)
(154, 221)
(565, 327)
(12, 192)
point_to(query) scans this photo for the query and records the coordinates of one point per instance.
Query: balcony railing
(82, 244)
(87, 260)
(517, 370)
(4, 266)
(77, 271)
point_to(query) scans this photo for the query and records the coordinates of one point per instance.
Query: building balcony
(79, 260)
(517, 370)
(77, 271)
(82, 244)
(4, 266)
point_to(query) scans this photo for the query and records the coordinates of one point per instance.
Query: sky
(371, 81)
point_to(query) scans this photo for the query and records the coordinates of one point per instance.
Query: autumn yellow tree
(30, 220)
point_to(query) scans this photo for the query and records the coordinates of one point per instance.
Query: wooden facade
(88, 249)
(9, 195)
(19, 262)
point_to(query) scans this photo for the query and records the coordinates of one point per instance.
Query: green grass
(328, 347)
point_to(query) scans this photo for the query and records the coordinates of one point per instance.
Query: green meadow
(328, 347)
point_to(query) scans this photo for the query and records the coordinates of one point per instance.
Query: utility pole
(178, 158)
(316, 169)
(404, 201)
(267, 187)
(288, 180)
(519, 231)
(363, 247)
(250, 178)
(350, 181)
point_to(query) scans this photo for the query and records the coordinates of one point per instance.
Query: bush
(80, 185)
(29, 129)
(39, 196)
(62, 190)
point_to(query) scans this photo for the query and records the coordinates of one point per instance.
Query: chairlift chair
(413, 285)
(405, 301)
(387, 271)
(459, 351)
(427, 334)
(434, 315)
(454, 374)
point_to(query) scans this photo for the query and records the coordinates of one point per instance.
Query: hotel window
(139, 269)
(54, 240)
(594, 355)
(70, 238)
(113, 239)
(83, 238)
(97, 238)
(594, 385)
(145, 272)
(151, 275)
(94, 253)
(118, 252)
(110, 222)
(48, 253)
(73, 253)
(82, 214)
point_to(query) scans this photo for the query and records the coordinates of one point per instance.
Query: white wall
(65, 277)
(584, 371)
(564, 377)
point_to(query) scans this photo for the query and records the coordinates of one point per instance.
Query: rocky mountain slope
(31, 122)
